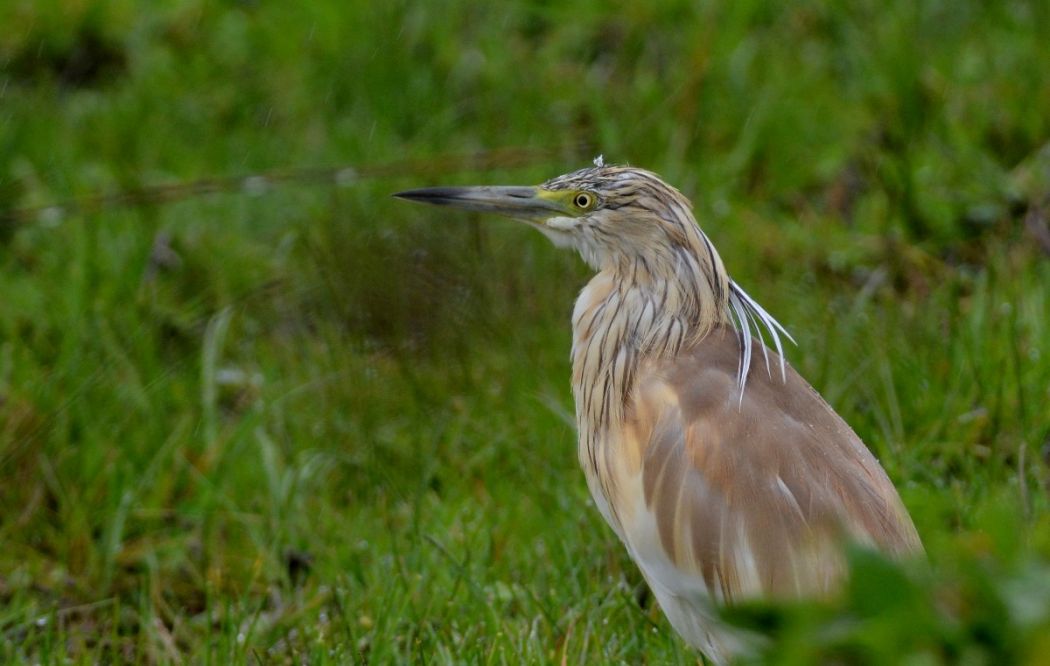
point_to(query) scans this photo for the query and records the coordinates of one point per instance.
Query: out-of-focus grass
(321, 425)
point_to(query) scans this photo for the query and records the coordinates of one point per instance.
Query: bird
(726, 480)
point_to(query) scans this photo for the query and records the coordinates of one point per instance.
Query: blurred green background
(307, 423)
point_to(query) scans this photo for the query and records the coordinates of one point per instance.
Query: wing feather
(749, 496)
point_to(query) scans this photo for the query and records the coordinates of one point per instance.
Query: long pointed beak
(523, 203)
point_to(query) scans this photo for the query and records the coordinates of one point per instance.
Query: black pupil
(582, 200)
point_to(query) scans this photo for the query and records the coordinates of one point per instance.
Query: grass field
(308, 423)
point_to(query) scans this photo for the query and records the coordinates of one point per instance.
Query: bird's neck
(632, 313)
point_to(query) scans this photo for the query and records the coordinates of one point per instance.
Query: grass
(309, 423)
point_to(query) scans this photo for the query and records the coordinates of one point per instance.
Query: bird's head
(613, 215)
(632, 223)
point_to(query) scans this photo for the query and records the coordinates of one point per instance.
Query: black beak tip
(431, 195)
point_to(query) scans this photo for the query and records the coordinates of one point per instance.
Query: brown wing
(753, 495)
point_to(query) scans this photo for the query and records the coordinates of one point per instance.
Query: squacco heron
(726, 481)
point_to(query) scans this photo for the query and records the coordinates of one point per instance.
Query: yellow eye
(583, 200)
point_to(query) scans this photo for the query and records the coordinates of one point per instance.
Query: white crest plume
(599, 161)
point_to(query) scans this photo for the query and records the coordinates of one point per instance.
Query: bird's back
(722, 496)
